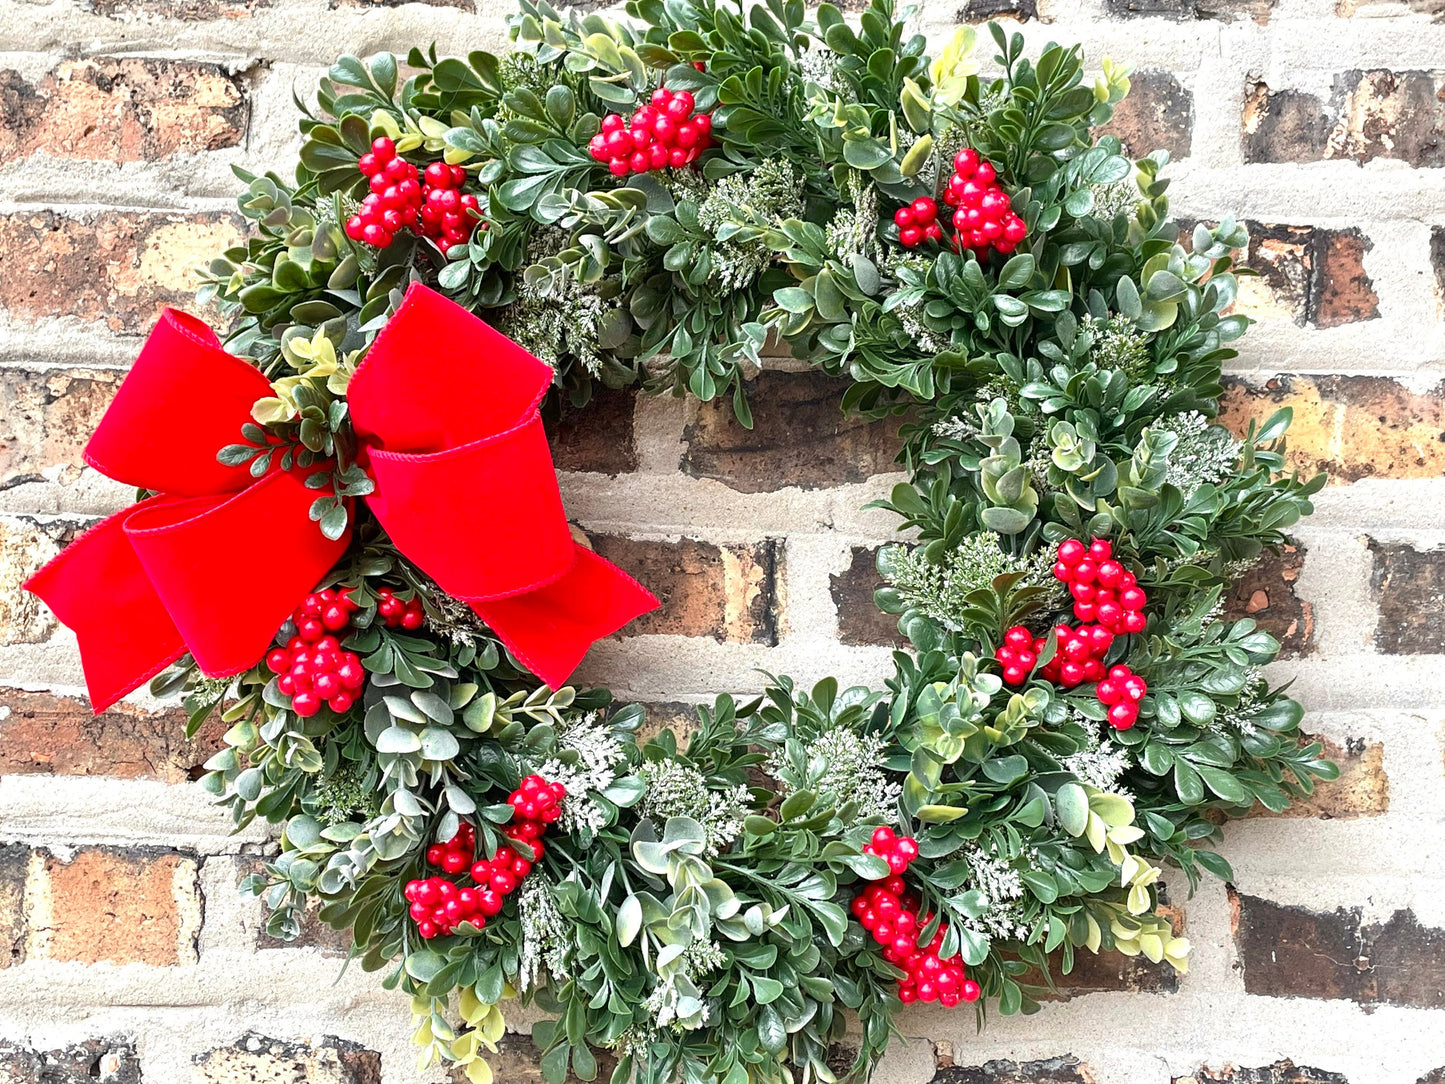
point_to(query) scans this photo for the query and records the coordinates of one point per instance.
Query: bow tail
(186, 574)
(551, 628)
(98, 588)
(486, 522)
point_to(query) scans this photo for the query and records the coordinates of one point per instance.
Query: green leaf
(766, 990)
(1072, 805)
(397, 739)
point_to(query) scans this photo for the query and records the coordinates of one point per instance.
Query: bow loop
(446, 412)
(446, 408)
(184, 399)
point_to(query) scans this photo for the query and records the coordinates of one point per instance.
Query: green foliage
(691, 913)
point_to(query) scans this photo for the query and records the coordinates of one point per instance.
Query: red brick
(110, 1061)
(1158, 114)
(46, 734)
(119, 906)
(1266, 593)
(1350, 426)
(46, 417)
(860, 621)
(117, 269)
(728, 592)
(1294, 952)
(275, 1061)
(1315, 277)
(596, 437)
(122, 110)
(1369, 114)
(800, 438)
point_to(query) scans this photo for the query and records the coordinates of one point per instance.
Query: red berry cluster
(439, 905)
(395, 200)
(394, 612)
(400, 198)
(312, 666)
(918, 222)
(1106, 593)
(1103, 589)
(897, 851)
(448, 216)
(664, 133)
(1120, 691)
(889, 912)
(1078, 655)
(984, 218)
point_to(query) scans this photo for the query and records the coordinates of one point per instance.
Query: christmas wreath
(648, 202)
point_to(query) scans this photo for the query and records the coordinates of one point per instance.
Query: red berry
(924, 210)
(1071, 552)
(966, 162)
(383, 149)
(985, 173)
(305, 704)
(1122, 716)
(910, 236)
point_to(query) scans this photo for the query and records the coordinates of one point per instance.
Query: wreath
(647, 202)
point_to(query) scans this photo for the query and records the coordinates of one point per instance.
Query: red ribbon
(446, 410)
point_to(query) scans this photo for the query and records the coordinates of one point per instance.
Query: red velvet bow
(445, 408)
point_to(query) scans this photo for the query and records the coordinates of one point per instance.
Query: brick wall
(1320, 122)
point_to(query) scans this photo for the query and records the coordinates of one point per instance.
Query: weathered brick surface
(1362, 790)
(107, 904)
(116, 269)
(47, 416)
(26, 543)
(518, 1061)
(1281, 1072)
(1258, 10)
(800, 438)
(859, 619)
(727, 592)
(980, 11)
(108, 1061)
(1266, 593)
(1158, 114)
(1346, 8)
(255, 1059)
(1437, 260)
(190, 11)
(1410, 586)
(1293, 952)
(122, 110)
(42, 733)
(1315, 277)
(1368, 114)
(597, 437)
(1066, 1069)
(14, 867)
(316, 934)
(1353, 427)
